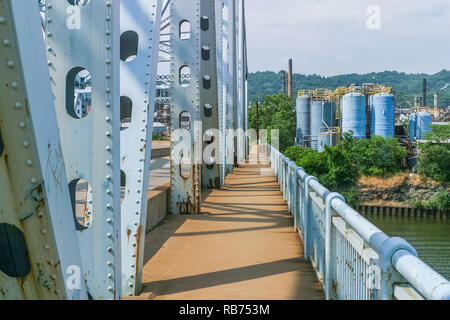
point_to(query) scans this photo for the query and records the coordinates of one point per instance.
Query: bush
(434, 156)
(333, 167)
(352, 196)
(440, 201)
(378, 156)
(313, 162)
(341, 171)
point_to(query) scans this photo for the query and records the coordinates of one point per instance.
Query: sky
(331, 37)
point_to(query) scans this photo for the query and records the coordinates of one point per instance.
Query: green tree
(434, 156)
(276, 112)
(378, 156)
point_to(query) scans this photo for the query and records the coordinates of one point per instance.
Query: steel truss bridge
(77, 89)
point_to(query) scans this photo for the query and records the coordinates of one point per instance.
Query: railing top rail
(395, 251)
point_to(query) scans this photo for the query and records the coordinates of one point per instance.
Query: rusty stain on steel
(138, 237)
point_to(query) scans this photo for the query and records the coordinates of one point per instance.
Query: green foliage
(440, 201)
(338, 168)
(314, 163)
(378, 156)
(352, 196)
(438, 133)
(341, 170)
(332, 167)
(276, 112)
(434, 156)
(406, 86)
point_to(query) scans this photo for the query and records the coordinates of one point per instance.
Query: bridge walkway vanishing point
(242, 246)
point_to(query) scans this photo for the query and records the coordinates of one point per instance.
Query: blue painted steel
(354, 114)
(383, 117)
(328, 120)
(316, 123)
(419, 123)
(372, 116)
(412, 126)
(321, 116)
(354, 260)
(303, 118)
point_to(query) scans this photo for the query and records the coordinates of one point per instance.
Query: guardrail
(354, 260)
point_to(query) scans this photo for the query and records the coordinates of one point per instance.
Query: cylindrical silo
(419, 124)
(328, 137)
(303, 118)
(372, 116)
(321, 116)
(354, 114)
(316, 122)
(383, 114)
(424, 122)
(413, 130)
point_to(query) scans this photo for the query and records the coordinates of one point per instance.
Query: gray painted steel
(88, 37)
(186, 133)
(139, 27)
(39, 251)
(303, 107)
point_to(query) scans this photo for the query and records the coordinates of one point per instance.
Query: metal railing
(354, 260)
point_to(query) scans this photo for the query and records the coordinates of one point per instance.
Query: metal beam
(139, 26)
(86, 39)
(185, 168)
(39, 255)
(209, 101)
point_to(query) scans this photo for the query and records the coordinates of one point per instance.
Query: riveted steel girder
(139, 26)
(39, 251)
(85, 38)
(185, 168)
(209, 100)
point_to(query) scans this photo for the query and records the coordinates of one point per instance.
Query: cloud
(318, 33)
(344, 56)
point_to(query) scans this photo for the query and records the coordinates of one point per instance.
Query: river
(430, 237)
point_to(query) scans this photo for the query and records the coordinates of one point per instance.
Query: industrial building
(324, 115)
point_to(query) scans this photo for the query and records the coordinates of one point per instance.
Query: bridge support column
(83, 42)
(39, 255)
(209, 100)
(186, 144)
(139, 28)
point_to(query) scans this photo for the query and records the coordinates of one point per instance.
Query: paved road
(241, 247)
(159, 172)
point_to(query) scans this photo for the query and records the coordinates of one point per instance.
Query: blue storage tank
(354, 114)
(372, 116)
(383, 115)
(303, 118)
(328, 120)
(316, 123)
(412, 123)
(423, 124)
(322, 115)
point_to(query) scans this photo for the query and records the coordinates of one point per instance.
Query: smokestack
(290, 79)
(436, 100)
(424, 93)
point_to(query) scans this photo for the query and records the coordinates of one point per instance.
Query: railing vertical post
(308, 209)
(390, 276)
(329, 251)
(298, 201)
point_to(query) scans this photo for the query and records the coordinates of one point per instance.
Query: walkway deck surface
(242, 247)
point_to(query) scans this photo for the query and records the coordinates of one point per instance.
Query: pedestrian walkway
(242, 246)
